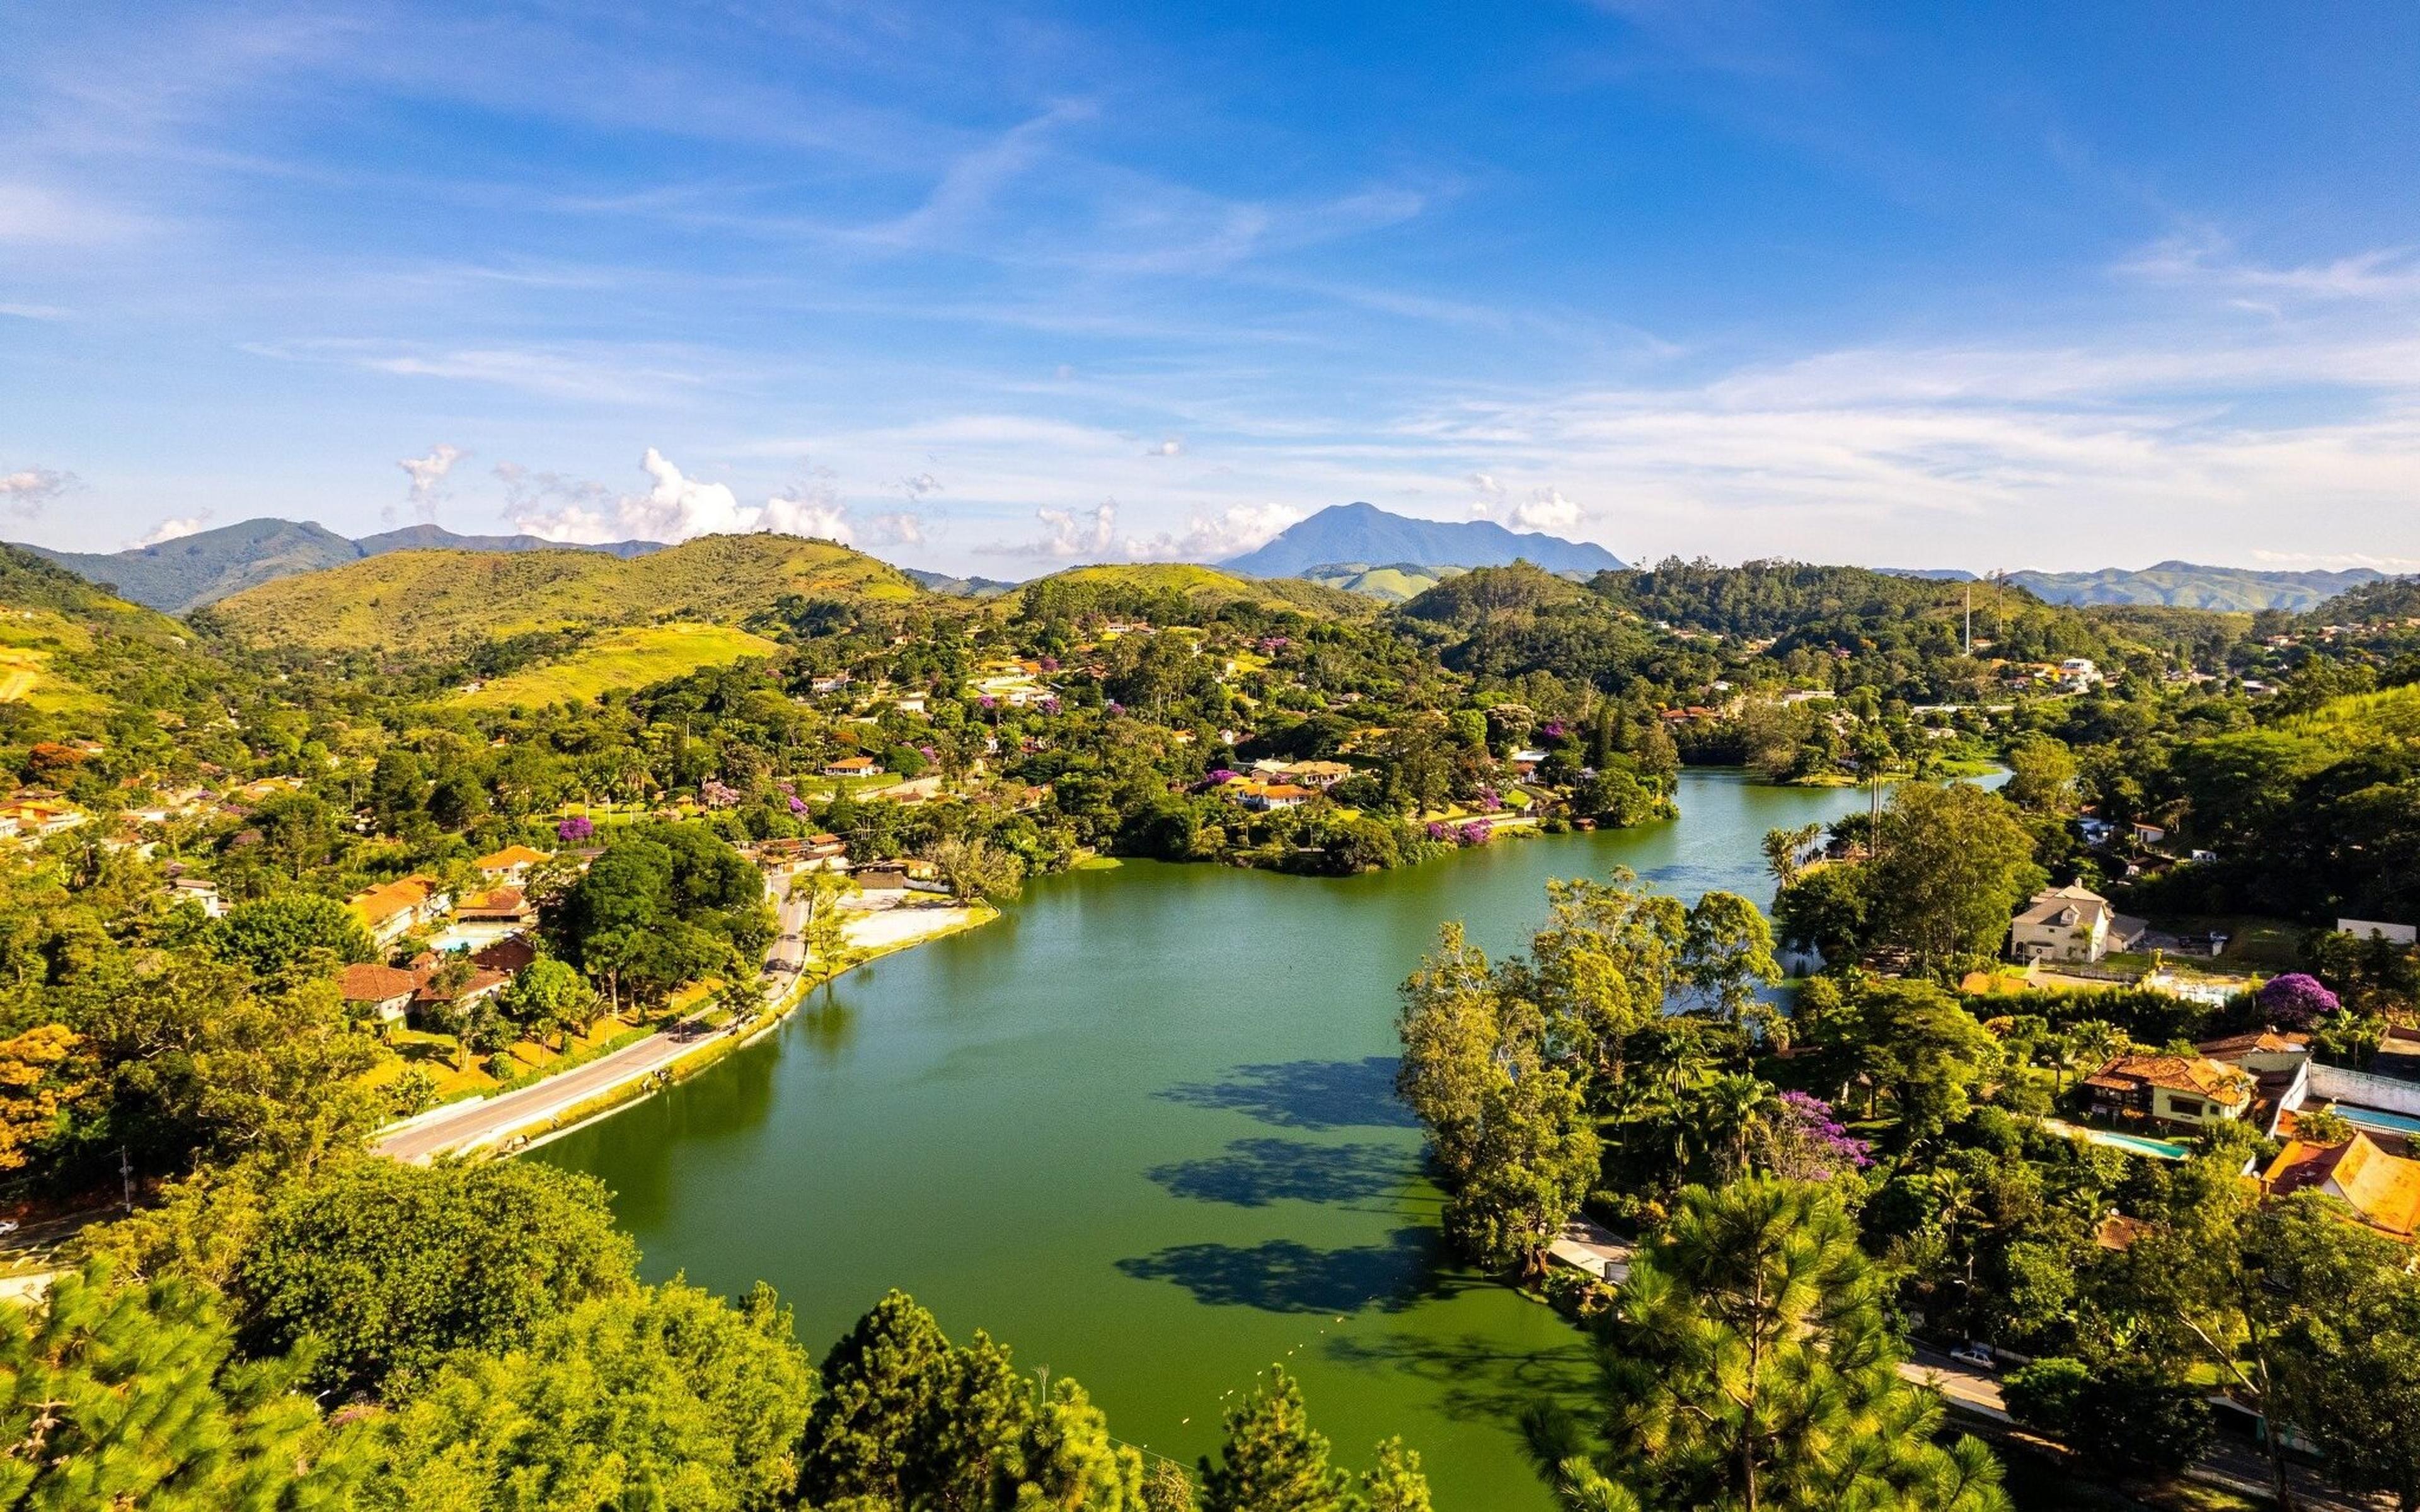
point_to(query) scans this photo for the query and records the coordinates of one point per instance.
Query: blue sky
(998, 288)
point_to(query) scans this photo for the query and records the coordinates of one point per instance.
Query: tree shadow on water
(1254, 1173)
(1306, 1094)
(1480, 1379)
(1281, 1275)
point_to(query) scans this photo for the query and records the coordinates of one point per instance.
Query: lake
(1142, 1129)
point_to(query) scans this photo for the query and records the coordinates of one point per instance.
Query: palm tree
(1730, 1111)
(1784, 850)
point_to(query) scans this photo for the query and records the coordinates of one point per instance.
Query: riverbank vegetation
(195, 801)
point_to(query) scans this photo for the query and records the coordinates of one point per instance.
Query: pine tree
(1273, 1460)
(125, 1397)
(1747, 1364)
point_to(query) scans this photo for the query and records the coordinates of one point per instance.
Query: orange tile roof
(369, 982)
(2383, 1188)
(375, 905)
(511, 855)
(2177, 1074)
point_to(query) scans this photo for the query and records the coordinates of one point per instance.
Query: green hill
(429, 600)
(68, 647)
(632, 657)
(1209, 588)
(1394, 583)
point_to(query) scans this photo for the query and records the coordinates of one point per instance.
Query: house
(1321, 774)
(2370, 930)
(38, 816)
(2071, 923)
(380, 992)
(912, 703)
(2147, 833)
(1526, 762)
(512, 955)
(2382, 1190)
(853, 766)
(504, 906)
(881, 877)
(200, 891)
(512, 864)
(2184, 1091)
(1266, 796)
(831, 685)
(393, 909)
(478, 983)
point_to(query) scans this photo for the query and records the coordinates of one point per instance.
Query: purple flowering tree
(575, 830)
(1809, 1145)
(1439, 830)
(1476, 832)
(1487, 800)
(2296, 1000)
(798, 805)
(718, 794)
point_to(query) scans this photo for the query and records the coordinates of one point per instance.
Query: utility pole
(1970, 618)
(126, 1175)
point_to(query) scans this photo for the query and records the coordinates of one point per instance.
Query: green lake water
(1142, 1129)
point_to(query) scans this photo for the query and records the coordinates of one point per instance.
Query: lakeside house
(1526, 762)
(2180, 1091)
(2071, 923)
(853, 766)
(887, 878)
(2381, 1190)
(393, 909)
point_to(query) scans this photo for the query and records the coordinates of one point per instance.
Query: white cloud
(427, 474)
(31, 212)
(24, 492)
(900, 528)
(807, 509)
(1068, 534)
(168, 529)
(919, 484)
(1546, 510)
(676, 508)
(1173, 446)
(1230, 532)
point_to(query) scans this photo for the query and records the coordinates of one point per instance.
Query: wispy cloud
(24, 492)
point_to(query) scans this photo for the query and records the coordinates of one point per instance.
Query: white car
(1974, 1354)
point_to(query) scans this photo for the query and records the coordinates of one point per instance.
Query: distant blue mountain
(1364, 532)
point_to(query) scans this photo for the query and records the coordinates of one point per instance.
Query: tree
(1510, 1134)
(125, 1397)
(549, 997)
(1785, 851)
(1726, 955)
(291, 936)
(38, 1082)
(976, 869)
(668, 1393)
(2295, 1000)
(908, 1419)
(382, 1267)
(2041, 776)
(1953, 862)
(2125, 1412)
(1273, 1460)
(1827, 909)
(1747, 1364)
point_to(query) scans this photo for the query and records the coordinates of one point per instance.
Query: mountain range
(208, 565)
(1366, 533)
(2189, 585)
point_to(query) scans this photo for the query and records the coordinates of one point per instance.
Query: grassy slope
(420, 600)
(624, 658)
(1208, 585)
(2389, 718)
(48, 613)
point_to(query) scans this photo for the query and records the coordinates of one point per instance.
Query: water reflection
(1254, 1173)
(1306, 1094)
(1405, 1270)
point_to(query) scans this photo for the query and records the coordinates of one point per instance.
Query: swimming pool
(2379, 1120)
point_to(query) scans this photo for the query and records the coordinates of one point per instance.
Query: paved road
(476, 1124)
(2230, 1461)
